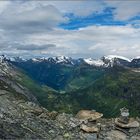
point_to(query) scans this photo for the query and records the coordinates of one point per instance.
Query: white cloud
(3, 5)
(78, 8)
(18, 19)
(125, 9)
(31, 27)
(30, 18)
(92, 41)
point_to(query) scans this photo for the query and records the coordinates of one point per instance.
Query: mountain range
(105, 61)
(68, 85)
(36, 93)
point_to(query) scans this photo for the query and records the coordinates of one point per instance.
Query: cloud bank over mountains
(30, 28)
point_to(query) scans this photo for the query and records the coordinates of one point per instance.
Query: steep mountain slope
(21, 117)
(60, 76)
(9, 75)
(64, 73)
(14, 81)
(135, 62)
(117, 88)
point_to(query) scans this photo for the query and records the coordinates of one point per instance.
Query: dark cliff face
(57, 76)
(121, 62)
(115, 62)
(53, 75)
(9, 77)
(135, 63)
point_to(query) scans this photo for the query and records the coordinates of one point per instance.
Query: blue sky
(104, 18)
(73, 28)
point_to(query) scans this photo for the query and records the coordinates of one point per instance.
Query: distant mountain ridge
(62, 73)
(66, 73)
(105, 61)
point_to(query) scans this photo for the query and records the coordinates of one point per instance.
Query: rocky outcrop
(131, 124)
(21, 119)
(89, 115)
(89, 129)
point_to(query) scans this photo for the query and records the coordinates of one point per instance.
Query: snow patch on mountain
(63, 59)
(36, 60)
(56, 60)
(106, 61)
(60, 59)
(138, 57)
(112, 57)
(94, 62)
(16, 59)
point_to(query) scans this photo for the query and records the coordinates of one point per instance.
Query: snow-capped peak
(15, 59)
(62, 59)
(111, 57)
(138, 57)
(39, 59)
(94, 62)
(108, 61)
(35, 59)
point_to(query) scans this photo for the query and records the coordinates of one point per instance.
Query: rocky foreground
(23, 118)
(26, 120)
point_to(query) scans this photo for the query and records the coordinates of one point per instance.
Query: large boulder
(116, 135)
(131, 124)
(88, 129)
(89, 115)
